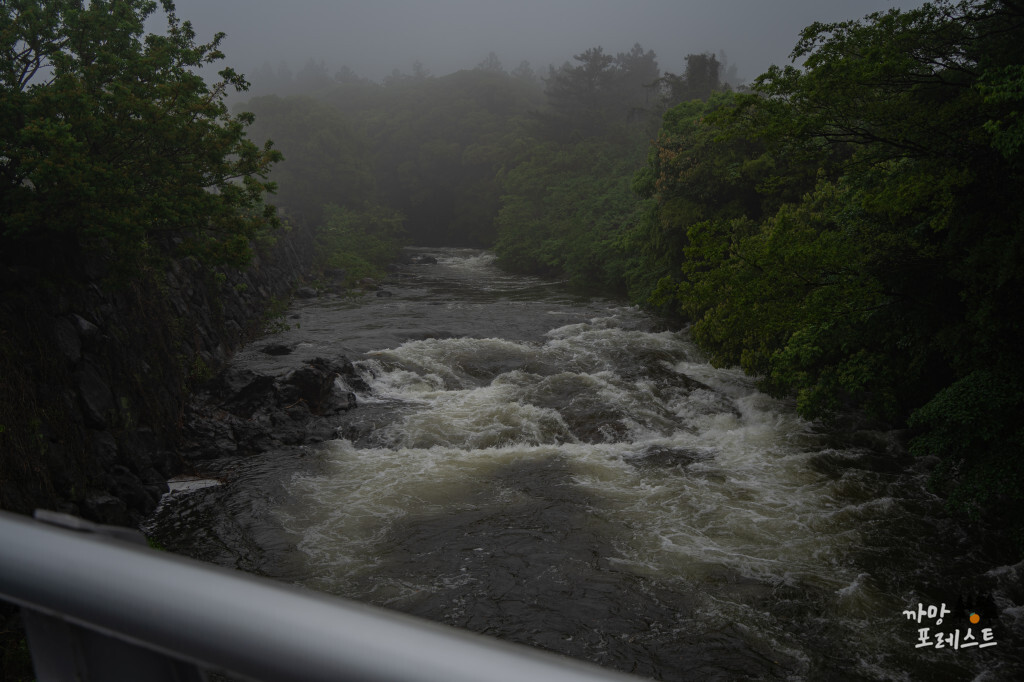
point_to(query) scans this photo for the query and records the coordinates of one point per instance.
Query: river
(569, 473)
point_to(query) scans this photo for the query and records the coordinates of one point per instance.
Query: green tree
(568, 203)
(325, 160)
(362, 242)
(701, 77)
(853, 233)
(313, 77)
(112, 141)
(491, 63)
(439, 145)
(566, 211)
(600, 94)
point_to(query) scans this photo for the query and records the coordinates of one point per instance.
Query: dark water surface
(567, 473)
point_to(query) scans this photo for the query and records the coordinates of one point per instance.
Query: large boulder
(242, 391)
(245, 411)
(316, 386)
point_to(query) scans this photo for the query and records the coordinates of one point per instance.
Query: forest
(848, 229)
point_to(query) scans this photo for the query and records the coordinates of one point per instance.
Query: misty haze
(375, 38)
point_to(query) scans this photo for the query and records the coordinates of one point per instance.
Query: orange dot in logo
(975, 618)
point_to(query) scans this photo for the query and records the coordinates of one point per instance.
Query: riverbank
(97, 369)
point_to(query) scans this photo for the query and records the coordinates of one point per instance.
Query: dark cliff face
(95, 371)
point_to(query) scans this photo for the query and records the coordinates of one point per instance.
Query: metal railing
(97, 607)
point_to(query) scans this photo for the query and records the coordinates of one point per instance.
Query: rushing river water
(570, 474)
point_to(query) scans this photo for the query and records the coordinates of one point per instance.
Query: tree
(312, 77)
(701, 77)
(439, 145)
(361, 242)
(636, 78)
(347, 76)
(579, 95)
(113, 142)
(875, 261)
(602, 93)
(491, 63)
(325, 162)
(525, 73)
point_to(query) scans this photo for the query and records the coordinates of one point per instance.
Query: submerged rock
(659, 457)
(277, 349)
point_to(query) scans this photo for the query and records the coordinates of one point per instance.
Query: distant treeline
(315, 75)
(457, 156)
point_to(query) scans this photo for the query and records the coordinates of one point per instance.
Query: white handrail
(252, 626)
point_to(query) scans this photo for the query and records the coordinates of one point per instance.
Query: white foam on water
(751, 503)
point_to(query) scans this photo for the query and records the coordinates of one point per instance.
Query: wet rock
(277, 349)
(130, 489)
(243, 411)
(86, 329)
(243, 391)
(346, 371)
(657, 457)
(342, 400)
(309, 385)
(254, 436)
(368, 283)
(135, 447)
(315, 386)
(68, 342)
(104, 449)
(95, 397)
(167, 463)
(107, 509)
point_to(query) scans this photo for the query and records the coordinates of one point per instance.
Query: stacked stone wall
(96, 370)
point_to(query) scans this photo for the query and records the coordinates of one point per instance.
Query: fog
(375, 37)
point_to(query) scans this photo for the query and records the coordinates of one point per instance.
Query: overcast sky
(375, 36)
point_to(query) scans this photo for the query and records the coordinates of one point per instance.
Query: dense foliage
(361, 242)
(569, 208)
(440, 144)
(852, 232)
(112, 141)
(565, 211)
(430, 148)
(325, 160)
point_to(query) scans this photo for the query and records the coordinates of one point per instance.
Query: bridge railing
(97, 607)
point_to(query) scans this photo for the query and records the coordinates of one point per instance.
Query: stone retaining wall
(94, 376)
